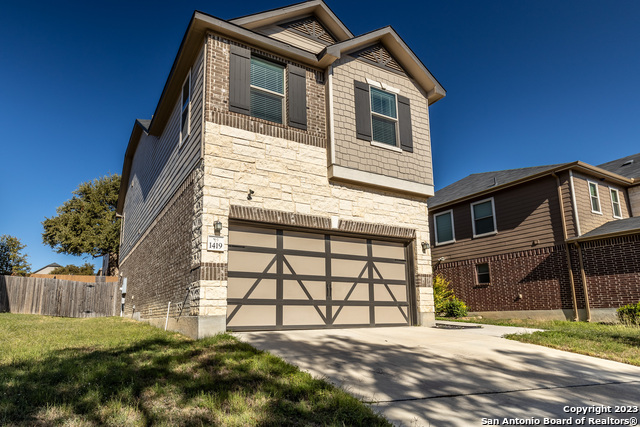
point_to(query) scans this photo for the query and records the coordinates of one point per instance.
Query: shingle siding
(359, 154)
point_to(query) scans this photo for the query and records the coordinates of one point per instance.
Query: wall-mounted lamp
(425, 246)
(217, 226)
(251, 193)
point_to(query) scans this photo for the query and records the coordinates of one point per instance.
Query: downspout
(566, 248)
(584, 283)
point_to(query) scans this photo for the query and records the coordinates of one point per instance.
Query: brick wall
(217, 98)
(612, 269)
(158, 269)
(540, 276)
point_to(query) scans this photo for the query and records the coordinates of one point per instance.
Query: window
(185, 120)
(267, 90)
(615, 203)
(482, 274)
(384, 117)
(483, 218)
(595, 197)
(444, 227)
(257, 88)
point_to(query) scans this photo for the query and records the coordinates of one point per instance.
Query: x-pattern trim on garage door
(281, 279)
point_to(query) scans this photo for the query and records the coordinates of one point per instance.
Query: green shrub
(455, 308)
(441, 293)
(629, 314)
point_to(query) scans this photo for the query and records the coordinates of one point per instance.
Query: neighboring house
(502, 239)
(47, 269)
(282, 182)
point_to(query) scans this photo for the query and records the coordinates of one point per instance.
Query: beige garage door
(282, 279)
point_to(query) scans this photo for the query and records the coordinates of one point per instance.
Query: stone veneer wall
(291, 178)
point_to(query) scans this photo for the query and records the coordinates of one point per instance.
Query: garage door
(282, 279)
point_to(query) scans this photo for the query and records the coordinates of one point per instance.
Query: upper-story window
(595, 197)
(615, 203)
(444, 227)
(267, 90)
(483, 218)
(185, 117)
(384, 117)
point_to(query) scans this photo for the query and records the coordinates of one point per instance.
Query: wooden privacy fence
(77, 278)
(53, 297)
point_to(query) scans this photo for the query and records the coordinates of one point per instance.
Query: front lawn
(614, 342)
(113, 371)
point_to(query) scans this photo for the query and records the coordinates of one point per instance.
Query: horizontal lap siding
(590, 220)
(524, 214)
(292, 38)
(160, 165)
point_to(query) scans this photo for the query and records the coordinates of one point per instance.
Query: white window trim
(613, 209)
(453, 230)
(396, 121)
(493, 211)
(281, 95)
(597, 196)
(188, 107)
(477, 274)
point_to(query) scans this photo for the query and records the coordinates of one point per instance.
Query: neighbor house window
(444, 227)
(384, 117)
(267, 90)
(615, 203)
(185, 125)
(482, 274)
(483, 218)
(595, 197)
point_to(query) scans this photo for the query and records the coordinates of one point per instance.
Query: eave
(397, 48)
(577, 165)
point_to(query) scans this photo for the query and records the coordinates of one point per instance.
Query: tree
(12, 261)
(84, 270)
(87, 223)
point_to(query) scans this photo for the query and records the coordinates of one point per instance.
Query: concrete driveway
(461, 377)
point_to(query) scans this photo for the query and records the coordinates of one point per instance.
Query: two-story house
(282, 180)
(502, 239)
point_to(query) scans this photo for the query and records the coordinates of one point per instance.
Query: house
(282, 180)
(47, 269)
(559, 241)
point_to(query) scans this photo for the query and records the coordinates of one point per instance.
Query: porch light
(217, 226)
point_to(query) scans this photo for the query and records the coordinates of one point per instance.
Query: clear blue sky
(528, 83)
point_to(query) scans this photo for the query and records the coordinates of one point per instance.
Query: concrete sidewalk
(457, 377)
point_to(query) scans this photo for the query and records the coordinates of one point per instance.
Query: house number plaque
(216, 244)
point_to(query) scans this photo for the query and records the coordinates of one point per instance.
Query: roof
(487, 182)
(627, 166)
(52, 265)
(617, 227)
(479, 182)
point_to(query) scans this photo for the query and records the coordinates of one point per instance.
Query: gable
(379, 56)
(312, 28)
(306, 33)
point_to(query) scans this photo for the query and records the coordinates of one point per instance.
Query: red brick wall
(612, 269)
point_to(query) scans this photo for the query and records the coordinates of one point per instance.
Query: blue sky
(528, 83)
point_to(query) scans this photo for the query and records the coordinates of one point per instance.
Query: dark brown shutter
(404, 122)
(297, 94)
(363, 111)
(240, 80)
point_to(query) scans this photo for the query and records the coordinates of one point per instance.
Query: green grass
(112, 371)
(607, 341)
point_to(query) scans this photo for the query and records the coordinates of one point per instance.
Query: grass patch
(607, 341)
(113, 371)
